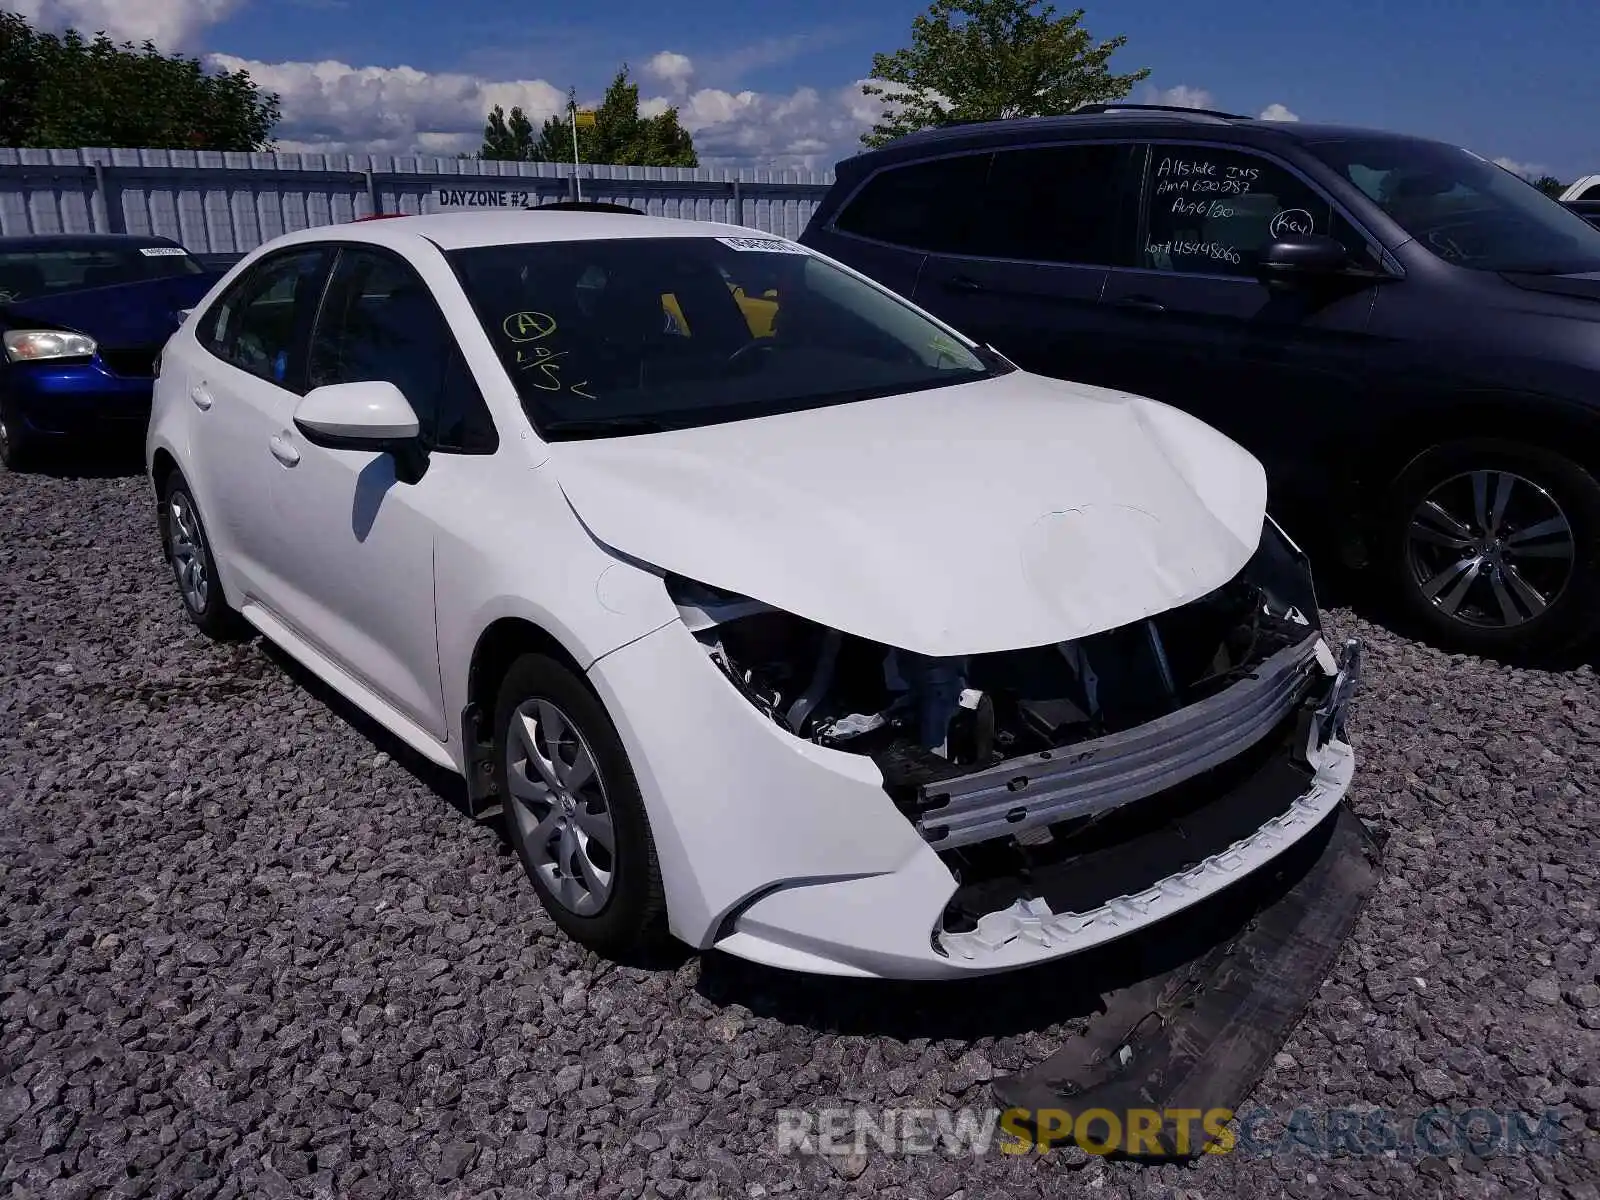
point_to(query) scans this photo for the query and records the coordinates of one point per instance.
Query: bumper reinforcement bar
(1120, 768)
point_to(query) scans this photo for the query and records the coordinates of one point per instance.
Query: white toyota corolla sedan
(775, 615)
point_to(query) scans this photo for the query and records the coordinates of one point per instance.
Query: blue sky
(1513, 79)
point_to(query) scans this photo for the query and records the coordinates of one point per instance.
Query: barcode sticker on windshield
(763, 245)
(163, 251)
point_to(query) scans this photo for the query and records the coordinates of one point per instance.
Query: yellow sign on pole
(584, 118)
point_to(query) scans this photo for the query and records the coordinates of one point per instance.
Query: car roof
(1132, 121)
(516, 226)
(67, 241)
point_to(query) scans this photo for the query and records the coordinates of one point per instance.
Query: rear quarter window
(923, 206)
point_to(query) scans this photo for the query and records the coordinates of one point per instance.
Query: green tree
(1550, 186)
(68, 91)
(619, 136)
(987, 60)
(507, 138)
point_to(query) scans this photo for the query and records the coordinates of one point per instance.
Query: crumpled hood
(1016, 511)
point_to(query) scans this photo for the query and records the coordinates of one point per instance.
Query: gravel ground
(247, 949)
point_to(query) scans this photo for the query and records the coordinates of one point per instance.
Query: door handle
(283, 451)
(201, 395)
(962, 283)
(1142, 304)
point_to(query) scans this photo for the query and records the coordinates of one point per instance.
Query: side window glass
(1211, 211)
(254, 325)
(926, 206)
(1591, 192)
(1059, 204)
(380, 322)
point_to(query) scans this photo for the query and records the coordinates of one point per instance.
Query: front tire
(16, 447)
(1494, 547)
(574, 812)
(188, 552)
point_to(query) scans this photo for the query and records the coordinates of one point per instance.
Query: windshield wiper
(582, 427)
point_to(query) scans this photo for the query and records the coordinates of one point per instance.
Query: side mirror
(357, 416)
(373, 416)
(1303, 255)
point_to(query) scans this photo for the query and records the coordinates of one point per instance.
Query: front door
(358, 566)
(1028, 275)
(1272, 367)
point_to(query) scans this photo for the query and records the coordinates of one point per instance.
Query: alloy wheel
(188, 552)
(1490, 549)
(560, 809)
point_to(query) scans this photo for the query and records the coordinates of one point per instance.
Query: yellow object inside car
(759, 311)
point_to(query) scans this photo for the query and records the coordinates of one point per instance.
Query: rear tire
(567, 791)
(1494, 547)
(188, 552)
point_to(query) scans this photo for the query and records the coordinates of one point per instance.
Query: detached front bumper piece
(1163, 1067)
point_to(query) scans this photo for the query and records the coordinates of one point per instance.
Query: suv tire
(1494, 547)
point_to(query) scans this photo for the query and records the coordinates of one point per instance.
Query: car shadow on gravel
(1009, 1004)
(1018, 1002)
(110, 461)
(447, 785)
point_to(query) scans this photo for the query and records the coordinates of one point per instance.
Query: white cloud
(1526, 170)
(674, 70)
(1182, 96)
(168, 23)
(334, 107)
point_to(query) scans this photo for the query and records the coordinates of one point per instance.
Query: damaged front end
(1059, 782)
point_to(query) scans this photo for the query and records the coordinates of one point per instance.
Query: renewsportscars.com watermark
(1321, 1132)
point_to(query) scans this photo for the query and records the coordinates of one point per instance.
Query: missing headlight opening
(923, 720)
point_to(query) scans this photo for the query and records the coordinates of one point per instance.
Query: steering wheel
(747, 352)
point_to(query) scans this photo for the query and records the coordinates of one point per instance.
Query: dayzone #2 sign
(446, 198)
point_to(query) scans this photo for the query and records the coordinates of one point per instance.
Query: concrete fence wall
(221, 205)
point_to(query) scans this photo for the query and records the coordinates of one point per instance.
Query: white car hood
(1011, 512)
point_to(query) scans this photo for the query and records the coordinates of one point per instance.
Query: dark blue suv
(1407, 335)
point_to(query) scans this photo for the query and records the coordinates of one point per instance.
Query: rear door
(1028, 272)
(244, 389)
(1272, 367)
(887, 227)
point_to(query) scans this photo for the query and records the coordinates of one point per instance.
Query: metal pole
(576, 182)
(110, 200)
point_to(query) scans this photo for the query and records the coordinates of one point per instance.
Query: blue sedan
(82, 319)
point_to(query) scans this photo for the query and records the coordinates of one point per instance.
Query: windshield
(621, 336)
(1463, 208)
(45, 271)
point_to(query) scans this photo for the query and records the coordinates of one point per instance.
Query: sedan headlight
(40, 345)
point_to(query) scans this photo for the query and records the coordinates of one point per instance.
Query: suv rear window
(1059, 204)
(926, 206)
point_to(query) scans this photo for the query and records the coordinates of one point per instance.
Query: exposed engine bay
(926, 719)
